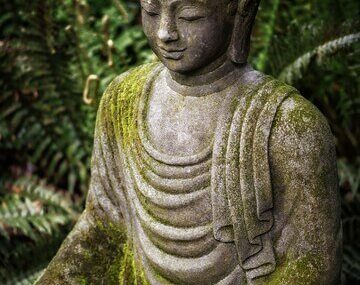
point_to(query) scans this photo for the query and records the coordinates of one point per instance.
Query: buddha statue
(204, 170)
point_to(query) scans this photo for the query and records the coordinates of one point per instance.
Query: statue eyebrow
(173, 3)
(186, 2)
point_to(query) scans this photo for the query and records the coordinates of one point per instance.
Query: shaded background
(57, 57)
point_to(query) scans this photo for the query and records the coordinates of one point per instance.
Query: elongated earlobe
(240, 43)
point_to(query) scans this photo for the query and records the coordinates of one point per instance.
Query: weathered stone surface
(204, 170)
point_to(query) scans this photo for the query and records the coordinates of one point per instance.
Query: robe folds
(241, 188)
(271, 176)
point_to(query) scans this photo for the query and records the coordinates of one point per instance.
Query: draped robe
(132, 181)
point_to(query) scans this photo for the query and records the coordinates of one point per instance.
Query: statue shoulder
(302, 151)
(305, 186)
(299, 124)
(119, 101)
(129, 83)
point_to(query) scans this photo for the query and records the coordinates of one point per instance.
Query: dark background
(56, 58)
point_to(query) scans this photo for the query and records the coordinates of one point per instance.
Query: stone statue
(204, 170)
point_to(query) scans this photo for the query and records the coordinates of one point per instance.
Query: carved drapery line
(241, 196)
(241, 182)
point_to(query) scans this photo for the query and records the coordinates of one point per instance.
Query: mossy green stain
(124, 269)
(117, 119)
(301, 271)
(120, 102)
(303, 116)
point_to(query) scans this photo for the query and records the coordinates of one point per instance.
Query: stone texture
(205, 171)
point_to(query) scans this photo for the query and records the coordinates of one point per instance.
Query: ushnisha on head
(189, 35)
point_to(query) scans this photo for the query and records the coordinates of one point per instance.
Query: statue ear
(240, 42)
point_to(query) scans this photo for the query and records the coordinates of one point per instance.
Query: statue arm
(307, 229)
(91, 254)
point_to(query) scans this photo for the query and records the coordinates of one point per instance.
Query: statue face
(187, 35)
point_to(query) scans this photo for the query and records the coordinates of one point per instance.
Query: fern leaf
(295, 70)
(34, 210)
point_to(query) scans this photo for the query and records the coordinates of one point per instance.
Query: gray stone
(204, 170)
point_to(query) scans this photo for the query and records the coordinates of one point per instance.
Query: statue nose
(167, 36)
(167, 31)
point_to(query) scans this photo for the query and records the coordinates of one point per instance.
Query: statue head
(188, 35)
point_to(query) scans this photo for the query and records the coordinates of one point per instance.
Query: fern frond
(295, 70)
(33, 210)
(34, 220)
(43, 110)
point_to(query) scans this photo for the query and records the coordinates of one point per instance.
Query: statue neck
(215, 77)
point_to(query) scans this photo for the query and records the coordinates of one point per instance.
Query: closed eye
(191, 17)
(191, 13)
(150, 12)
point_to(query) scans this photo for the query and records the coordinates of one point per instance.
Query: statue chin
(178, 66)
(185, 65)
(182, 64)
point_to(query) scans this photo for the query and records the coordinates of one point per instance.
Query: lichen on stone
(304, 270)
(121, 99)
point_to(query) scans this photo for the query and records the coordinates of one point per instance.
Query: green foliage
(295, 70)
(25, 278)
(34, 219)
(24, 210)
(48, 52)
(349, 176)
(265, 31)
(43, 117)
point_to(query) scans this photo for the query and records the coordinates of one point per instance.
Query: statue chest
(173, 223)
(182, 125)
(169, 186)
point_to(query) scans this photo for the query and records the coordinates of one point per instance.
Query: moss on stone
(95, 253)
(124, 269)
(118, 110)
(130, 271)
(300, 114)
(304, 270)
(82, 281)
(120, 102)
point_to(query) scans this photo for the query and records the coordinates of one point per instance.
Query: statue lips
(171, 53)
